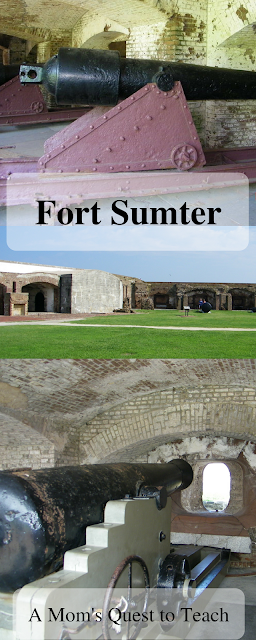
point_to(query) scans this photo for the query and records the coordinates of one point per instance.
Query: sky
(173, 266)
(216, 482)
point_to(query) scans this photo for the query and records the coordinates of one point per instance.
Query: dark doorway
(118, 46)
(242, 300)
(2, 292)
(39, 301)
(194, 298)
(161, 301)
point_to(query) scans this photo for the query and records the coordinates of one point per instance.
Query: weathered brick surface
(175, 295)
(21, 446)
(94, 410)
(150, 420)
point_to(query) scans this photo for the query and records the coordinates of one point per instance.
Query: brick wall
(220, 295)
(182, 37)
(230, 123)
(231, 44)
(21, 446)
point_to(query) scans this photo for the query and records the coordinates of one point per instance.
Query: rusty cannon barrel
(8, 71)
(44, 513)
(102, 77)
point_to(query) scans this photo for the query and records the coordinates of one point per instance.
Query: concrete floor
(247, 584)
(27, 140)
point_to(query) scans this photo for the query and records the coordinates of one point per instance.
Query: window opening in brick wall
(216, 486)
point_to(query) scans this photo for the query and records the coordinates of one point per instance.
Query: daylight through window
(216, 486)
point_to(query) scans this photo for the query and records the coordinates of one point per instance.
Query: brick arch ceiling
(35, 19)
(128, 407)
(39, 278)
(136, 428)
(244, 37)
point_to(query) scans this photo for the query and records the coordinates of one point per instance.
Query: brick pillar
(217, 301)
(223, 300)
(127, 297)
(133, 303)
(185, 300)
(229, 302)
(179, 296)
(44, 51)
(7, 299)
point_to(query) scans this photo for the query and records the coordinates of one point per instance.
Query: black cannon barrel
(44, 513)
(102, 77)
(8, 71)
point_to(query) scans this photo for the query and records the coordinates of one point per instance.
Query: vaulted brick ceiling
(123, 409)
(41, 19)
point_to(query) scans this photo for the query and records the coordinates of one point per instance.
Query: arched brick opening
(13, 29)
(17, 49)
(161, 301)
(151, 420)
(103, 39)
(39, 277)
(43, 297)
(242, 299)
(206, 294)
(233, 528)
(98, 32)
(192, 498)
(243, 38)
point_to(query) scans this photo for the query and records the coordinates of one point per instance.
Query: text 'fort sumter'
(124, 214)
(166, 212)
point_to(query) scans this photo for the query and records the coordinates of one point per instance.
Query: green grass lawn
(172, 317)
(49, 342)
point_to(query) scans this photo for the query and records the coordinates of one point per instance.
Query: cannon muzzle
(44, 513)
(102, 77)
